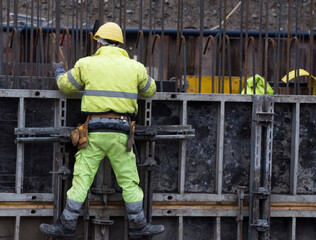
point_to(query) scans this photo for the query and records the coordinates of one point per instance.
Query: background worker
(111, 82)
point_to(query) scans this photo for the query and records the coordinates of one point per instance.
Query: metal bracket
(106, 191)
(63, 172)
(102, 221)
(150, 163)
(264, 117)
(263, 193)
(262, 225)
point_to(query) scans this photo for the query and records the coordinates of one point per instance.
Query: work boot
(148, 230)
(138, 226)
(66, 224)
(56, 230)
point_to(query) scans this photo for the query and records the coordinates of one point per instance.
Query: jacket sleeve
(70, 82)
(146, 84)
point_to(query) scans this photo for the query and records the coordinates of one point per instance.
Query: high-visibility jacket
(111, 81)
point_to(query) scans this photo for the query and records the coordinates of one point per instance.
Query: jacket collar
(105, 50)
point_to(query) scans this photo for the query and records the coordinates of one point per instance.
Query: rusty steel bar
(211, 39)
(201, 42)
(246, 44)
(310, 48)
(288, 43)
(266, 49)
(177, 65)
(260, 62)
(271, 42)
(252, 42)
(241, 45)
(161, 53)
(1, 39)
(218, 50)
(183, 46)
(296, 73)
(223, 47)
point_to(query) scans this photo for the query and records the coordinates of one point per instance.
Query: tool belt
(107, 122)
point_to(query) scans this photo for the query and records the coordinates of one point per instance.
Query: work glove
(58, 69)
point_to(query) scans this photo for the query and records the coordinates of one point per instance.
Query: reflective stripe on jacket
(111, 81)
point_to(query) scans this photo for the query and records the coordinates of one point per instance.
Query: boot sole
(55, 235)
(138, 236)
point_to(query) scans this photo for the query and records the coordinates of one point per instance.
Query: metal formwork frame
(172, 201)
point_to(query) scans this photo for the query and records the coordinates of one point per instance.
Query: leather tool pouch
(79, 137)
(130, 141)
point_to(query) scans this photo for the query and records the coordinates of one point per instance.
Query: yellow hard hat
(111, 31)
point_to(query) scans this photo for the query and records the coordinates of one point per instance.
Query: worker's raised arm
(146, 84)
(68, 82)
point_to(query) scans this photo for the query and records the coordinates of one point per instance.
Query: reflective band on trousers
(73, 80)
(147, 85)
(104, 93)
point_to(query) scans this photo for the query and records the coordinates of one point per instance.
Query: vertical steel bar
(246, 44)
(16, 47)
(266, 48)
(252, 166)
(223, 46)
(293, 229)
(17, 228)
(278, 52)
(150, 37)
(260, 62)
(218, 228)
(101, 11)
(81, 31)
(113, 13)
(1, 39)
(288, 47)
(295, 142)
(220, 147)
(20, 150)
(220, 46)
(124, 22)
(180, 228)
(8, 44)
(140, 26)
(73, 43)
(161, 53)
(177, 57)
(201, 42)
(182, 157)
(310, 47)
(77, 45)
(241, 45)
(57, 28)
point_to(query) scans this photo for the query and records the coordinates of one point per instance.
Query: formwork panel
(237, 133)
(201, 150)
(38, 165)
(201, 228)
(307, 150)
(74, 115)
(305, 228)
(165, 113)
(116, 230)
(229, 228)
(165, 174)
(39, 112)
(7, 227)
(8, 121)
(280, 228)
(171, 227)
(281, 156)
(29, 227)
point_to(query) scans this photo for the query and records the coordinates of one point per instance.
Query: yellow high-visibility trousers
(112, 145)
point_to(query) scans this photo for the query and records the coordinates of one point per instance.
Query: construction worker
(111, 82)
